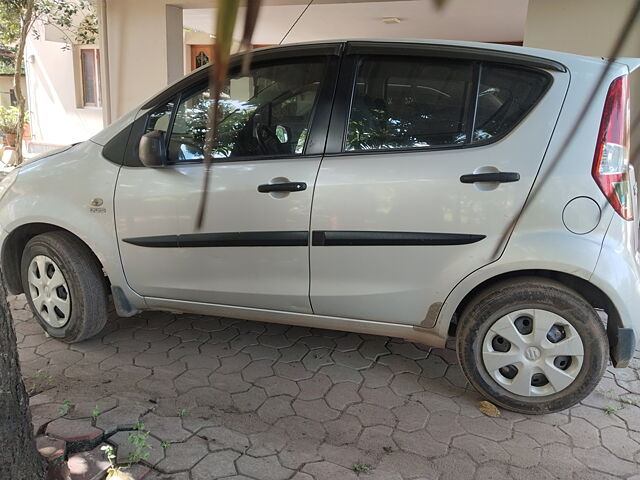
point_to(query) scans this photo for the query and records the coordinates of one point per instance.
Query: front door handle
(498, 177)
(282, 187)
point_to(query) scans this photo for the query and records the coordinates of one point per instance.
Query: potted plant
(9, 124)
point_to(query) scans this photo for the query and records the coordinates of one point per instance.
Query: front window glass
(266, 112)
(408, 103)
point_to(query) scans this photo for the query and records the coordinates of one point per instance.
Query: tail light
(611, 161)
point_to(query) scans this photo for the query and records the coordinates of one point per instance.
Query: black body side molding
(330, 238)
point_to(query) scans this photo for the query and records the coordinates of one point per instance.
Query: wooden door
(201, 55)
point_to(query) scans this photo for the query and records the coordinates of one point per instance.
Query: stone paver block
(619, 443)
(215, 465)
(370, 415)
(73, 430)
(314, 388)
(420, 442)
(329, 471)
(275, 408)
(265, 468)
(90, 465)
(315, 410)
(250, 400)
(267, 443)
(411, 416)
(275, 386)
(221, 438)
(51, 448)
(383, 397)
(184, 456)
(343, 430)
(341, 395)
(166, 428)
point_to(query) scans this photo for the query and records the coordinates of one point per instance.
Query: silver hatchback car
(368, 186)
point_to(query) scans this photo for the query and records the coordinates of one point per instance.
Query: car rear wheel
(65, 286)
(532, 345)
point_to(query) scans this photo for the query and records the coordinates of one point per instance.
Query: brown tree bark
(25, 28)
(19, 458)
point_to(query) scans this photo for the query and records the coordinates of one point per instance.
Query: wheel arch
(14, 245)
(590, 292)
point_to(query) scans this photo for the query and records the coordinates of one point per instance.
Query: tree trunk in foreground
(19, 458)
(25, 27)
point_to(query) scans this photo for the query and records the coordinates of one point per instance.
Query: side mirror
(152, 149)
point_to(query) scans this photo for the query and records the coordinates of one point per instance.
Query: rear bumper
(617, 274)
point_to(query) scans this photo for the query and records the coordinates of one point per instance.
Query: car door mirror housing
(153, 149)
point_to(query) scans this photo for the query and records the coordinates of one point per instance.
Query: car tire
(521, 310)
(69, 296)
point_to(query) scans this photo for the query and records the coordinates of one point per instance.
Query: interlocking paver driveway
(266, 401)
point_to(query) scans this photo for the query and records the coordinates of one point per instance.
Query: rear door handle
(282, 187)
(499, 177)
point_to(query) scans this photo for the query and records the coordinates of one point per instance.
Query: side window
(266, 112)
(408, 103)
(505, 96)
(160, 118)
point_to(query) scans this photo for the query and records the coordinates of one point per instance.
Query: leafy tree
(74, 19)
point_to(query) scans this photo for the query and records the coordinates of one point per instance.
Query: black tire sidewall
(546, 295)
(73, 329)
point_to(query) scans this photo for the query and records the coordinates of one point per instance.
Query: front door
(252, 250)
(396, 221)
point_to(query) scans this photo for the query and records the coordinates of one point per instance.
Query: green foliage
(165, 444)
(9, 122)
(41, 380)
(66, 407)
(95, 413)
(138, 439)
(182, 412)
(361, 468)
(76, 20)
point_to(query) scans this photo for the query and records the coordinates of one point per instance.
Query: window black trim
(457, 52)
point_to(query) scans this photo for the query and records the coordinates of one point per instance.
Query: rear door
(403, 209)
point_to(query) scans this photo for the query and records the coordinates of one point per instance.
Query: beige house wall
(586, 27)
(52, 91)
(6, 85)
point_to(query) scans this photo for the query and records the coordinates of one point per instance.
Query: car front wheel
(532, 345)
(64, 285)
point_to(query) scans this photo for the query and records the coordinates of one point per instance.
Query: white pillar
(175, 48)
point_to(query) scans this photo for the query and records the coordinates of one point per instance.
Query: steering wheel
(268, 141)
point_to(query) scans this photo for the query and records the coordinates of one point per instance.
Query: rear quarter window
(505, 96)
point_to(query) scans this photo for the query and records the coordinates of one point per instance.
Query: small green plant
(361, 468)
(609, 410)
(138, 439)
(94, 415)
(165, 444)
(40, 382)
(113, 471)
(182, 412)
(9, 120)
(66, 407)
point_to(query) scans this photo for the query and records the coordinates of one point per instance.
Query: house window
(90, 71)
